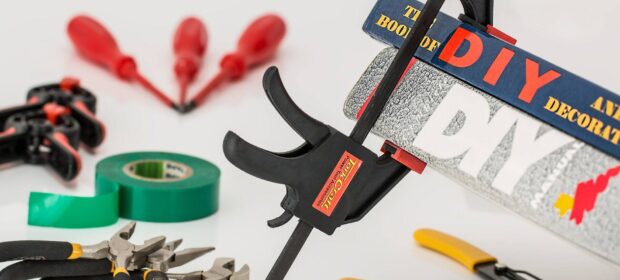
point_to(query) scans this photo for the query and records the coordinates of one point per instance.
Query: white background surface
(322, 56)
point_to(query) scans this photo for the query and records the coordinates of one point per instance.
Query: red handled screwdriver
(95, 43)
(258, 43)
(190, 45)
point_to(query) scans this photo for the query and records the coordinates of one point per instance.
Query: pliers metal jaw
(97, 251)
(123, 253)
(222, 269)
(166, 257)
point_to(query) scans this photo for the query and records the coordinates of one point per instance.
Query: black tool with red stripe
(49, 128)
(332, 179)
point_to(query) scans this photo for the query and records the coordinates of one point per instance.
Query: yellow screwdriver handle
(450, 246)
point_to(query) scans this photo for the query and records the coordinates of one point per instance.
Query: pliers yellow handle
(450, 246)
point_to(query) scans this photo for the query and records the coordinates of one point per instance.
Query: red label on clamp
(337, 183)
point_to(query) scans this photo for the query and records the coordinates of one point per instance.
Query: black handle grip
(135, 275)
(36, 269)
(34, 250)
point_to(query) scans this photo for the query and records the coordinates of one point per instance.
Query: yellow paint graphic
(564, 203)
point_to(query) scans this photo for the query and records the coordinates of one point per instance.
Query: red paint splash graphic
(588, 191)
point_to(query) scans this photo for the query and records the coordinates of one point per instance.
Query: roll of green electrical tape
(145, 186)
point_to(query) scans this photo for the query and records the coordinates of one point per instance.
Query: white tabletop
(322, 56)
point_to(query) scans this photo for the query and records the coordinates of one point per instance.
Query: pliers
(53, 258)
(222, 269)
(166, 257)
(123, 253)
(476, 260)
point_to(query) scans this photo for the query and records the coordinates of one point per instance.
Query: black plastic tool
(478, 13)
(35, 269)
(333, 179)
(31, 137)
(82, 106)
(50, 126)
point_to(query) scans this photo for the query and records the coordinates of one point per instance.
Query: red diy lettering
(499, 65)
(533, 82)
(470, 57)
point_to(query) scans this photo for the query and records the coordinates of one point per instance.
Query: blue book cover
(547, 92)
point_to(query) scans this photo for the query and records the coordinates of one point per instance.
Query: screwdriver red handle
(190, 45)
(95, 43)
(257, 44)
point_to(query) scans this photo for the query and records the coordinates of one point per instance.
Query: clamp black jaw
(330, 180)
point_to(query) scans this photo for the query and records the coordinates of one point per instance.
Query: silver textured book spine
(500, 153)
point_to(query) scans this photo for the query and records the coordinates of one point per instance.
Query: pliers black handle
(57, 268)
(133, 275)
(37, 250)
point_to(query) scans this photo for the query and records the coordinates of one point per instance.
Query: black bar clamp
(332, 179)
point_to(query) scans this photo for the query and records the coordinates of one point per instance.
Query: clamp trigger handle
(281, 220)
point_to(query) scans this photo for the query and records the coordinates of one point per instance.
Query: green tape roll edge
(144, 186)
